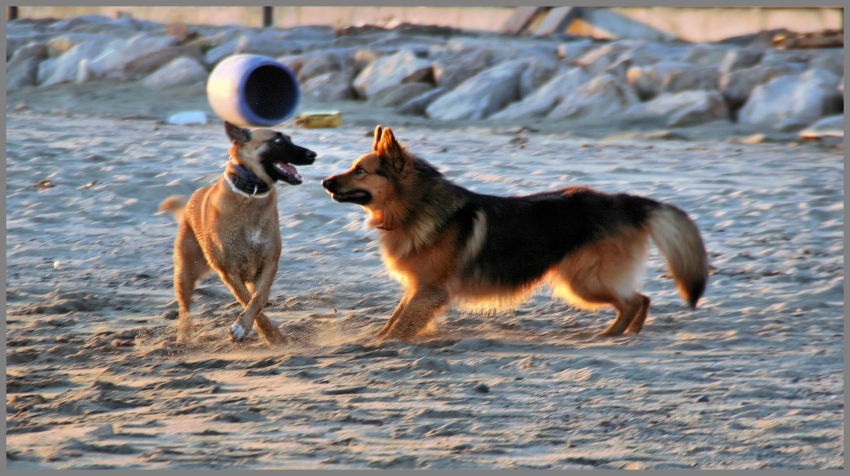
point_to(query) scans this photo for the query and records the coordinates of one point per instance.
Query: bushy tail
(679, 240)
(174, 205)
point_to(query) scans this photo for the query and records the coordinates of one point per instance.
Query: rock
(547, 97)
(187, 117)
(481, 95)
(84, 72)
(831, 126)
(601, 97)
(144, 65)
(574, 50)
(66, 66)
(16, 42)
(481, 388)
(600, 59)
(22, 70)
(80, 22)
(670, 77)
(793, 101)
(432, 363)
(537, 74)
(61, 44)
(740, 58)
(293, 62)
(685, 108)
(403, 66)
(322, 62)
(118, 53)
(331, 86)
(703, 399)
(179, 72)
(737, 85)
(399, 94)
(456, 67)
(705, 54)
(832, 61)
(256, 44)
(417, 105)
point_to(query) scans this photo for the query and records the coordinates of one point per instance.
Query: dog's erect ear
(389, 149)
(236, 134)
(377, 140)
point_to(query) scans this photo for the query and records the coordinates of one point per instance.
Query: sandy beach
(753, 378)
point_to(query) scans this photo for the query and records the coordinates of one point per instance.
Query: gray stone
(66, 66)
(538, 73)
(603, 96)
(331, 86)
(547, 97)
(832, 126)
(417, 105)
(574, 50)
(293, 62)
(705, 54)
(481, 95)
(689, 79)
(73, 23)
(22, 70)
(61, 44)
(144, 65)
(685, 108)
(120, 52)
(179, 72)
(256, 44)
(599, 60)
(403, 66)
(829, 60)
(399, 94)
(16, 42)
(321, 62)
(456, 67)
(740, 58)
(793, 101)
(737, 85)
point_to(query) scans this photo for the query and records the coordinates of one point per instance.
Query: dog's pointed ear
(236, 134)
(377, 140)
(390, 150)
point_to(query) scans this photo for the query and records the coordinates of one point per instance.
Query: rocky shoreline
(445, 74)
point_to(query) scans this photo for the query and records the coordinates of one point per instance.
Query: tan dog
(450, 245)
(232, 227)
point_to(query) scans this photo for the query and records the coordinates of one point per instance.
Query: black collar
(246, 181)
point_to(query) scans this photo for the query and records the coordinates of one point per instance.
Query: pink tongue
(288, 168)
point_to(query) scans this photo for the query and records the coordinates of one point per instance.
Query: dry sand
(752, 379)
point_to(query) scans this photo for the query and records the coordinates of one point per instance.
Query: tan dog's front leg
(419, 310)
(391, 321)
(253, 304)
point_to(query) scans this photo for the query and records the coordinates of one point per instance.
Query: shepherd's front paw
(237, 332)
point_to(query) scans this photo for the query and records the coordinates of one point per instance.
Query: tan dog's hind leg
(253, 304)
(419, 310)
(392, 320)
(189, 266)
(628, 311)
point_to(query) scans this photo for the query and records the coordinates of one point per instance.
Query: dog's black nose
(328, 183)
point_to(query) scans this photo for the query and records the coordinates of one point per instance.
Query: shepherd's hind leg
(190, 265)
(640, 318)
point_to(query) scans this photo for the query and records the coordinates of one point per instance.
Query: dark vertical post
(11, 13)
(267, 17)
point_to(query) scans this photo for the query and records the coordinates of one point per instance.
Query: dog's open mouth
(286, 173)
(360, 197)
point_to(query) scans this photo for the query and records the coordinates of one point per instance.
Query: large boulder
(793, 101)
(831, 126)
(120, 52)
(574, 50)
(179, 72)
(671, 77)
(455, 67)
(481, 95)
(684, 108)
(399, 94)
(324, 61)
(16, 42)
(22, 70)
(257, 44)
(830, 60)
(538, 73)
(603, 96)
(331, 86)
(60, 45)
(142, 66)
(740, 58)
(417, 105)
(66, 67)
(403, 66)
(547, 97)
(705, 54)
(737, 85)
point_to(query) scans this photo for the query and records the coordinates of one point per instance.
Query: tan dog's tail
(175, 205)
(679, 240)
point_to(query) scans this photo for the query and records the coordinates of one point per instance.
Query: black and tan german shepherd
(448, 245)
(232, 227)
